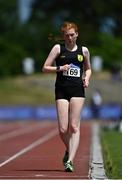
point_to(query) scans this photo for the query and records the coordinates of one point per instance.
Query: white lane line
(60, 176)
(39, 141)
(69, 177)
(21, 131)
(97, 170)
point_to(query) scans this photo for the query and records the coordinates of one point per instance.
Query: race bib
(72, 71)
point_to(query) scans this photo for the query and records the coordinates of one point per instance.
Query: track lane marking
(17, 132)
(48, 177)
(39, 141)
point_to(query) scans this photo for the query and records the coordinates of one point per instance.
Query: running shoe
(69, 167)
(65, 158)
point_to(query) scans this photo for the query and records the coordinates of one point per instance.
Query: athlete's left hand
(85, 82)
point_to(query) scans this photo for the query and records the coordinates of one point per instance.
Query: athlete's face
(70, 36)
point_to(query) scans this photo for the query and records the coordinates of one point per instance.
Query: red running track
(33, 150)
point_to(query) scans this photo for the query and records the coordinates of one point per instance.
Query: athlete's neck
(71, 47)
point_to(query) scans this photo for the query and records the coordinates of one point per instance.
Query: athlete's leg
(75, 107)
(62, 106)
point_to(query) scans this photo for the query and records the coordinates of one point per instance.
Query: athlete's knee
(63, 130)
(74, 128)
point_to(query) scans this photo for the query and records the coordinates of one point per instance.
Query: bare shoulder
(56, 48)
(85, 51)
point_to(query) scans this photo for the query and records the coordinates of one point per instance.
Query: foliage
(10, 58)
(30, 38)
(109, 49)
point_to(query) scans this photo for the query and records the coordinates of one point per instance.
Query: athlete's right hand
(65, 67)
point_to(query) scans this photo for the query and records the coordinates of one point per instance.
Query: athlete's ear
(76, 34)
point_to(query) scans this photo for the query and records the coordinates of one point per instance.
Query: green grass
(112, 152)
(24, 90)
(38, 89)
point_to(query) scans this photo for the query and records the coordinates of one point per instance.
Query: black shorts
(67, 92)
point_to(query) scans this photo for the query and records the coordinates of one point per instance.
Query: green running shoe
(69, 167)
(65, 158)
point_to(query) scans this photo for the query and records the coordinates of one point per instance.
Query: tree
(32, 38)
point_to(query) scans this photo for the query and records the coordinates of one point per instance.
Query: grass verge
(38, 89)
(112, 153)
(27, 90)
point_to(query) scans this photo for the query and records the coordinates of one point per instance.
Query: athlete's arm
(87, 66)
(49, 63)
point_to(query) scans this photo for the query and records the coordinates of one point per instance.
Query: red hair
(68, 25)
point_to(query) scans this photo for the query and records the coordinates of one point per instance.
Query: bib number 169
(75, 72)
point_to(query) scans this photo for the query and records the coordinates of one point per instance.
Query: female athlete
(73, 69)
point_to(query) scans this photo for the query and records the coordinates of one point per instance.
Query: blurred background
(29, 29)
